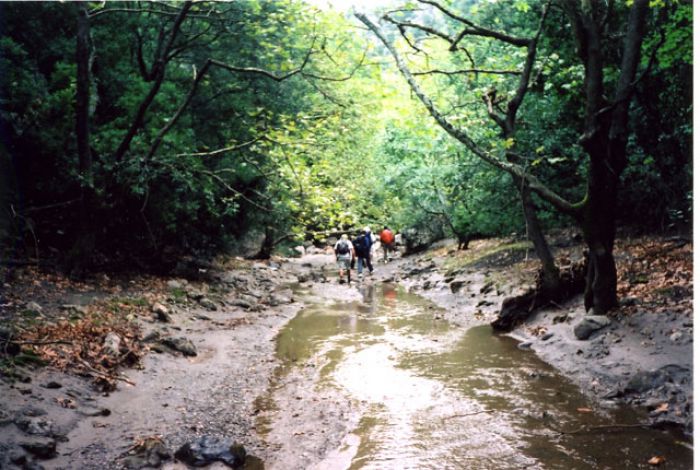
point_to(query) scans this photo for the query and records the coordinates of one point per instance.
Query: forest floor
(130, 369)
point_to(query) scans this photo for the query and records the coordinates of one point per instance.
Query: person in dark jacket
(364, 241)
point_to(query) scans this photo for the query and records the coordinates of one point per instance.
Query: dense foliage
(256, 125)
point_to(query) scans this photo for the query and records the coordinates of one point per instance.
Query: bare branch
(221, 151)
(476, 30)
(467, 71)
(342, 79)
(263, 72)
(420, 27)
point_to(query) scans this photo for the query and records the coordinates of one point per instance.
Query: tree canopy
(138, 132)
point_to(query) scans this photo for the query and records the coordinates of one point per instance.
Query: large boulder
(417, 239)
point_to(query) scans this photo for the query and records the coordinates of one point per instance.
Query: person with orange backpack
(386, 237)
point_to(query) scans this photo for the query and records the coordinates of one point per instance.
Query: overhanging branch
(459, 134)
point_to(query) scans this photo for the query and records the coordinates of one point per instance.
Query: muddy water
(433, 396)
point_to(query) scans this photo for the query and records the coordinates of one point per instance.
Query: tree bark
(605, 141)
(550, 278)
(85, 241)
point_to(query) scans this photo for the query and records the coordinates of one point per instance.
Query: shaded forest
(135, 134)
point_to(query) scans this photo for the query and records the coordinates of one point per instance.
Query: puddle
(434, 396)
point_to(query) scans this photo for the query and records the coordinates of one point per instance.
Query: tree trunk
(598, 226)
(85, 242)
(550, 279)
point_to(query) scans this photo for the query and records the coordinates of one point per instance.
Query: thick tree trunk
(85, 242)
(598, 226)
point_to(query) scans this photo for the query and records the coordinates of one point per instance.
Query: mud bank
(209, 354)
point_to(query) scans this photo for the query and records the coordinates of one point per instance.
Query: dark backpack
(342, 248)
(357, 244)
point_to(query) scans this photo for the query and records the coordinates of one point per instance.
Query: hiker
(367, 241)
(386, 236)
(362, 253)
(344, 254)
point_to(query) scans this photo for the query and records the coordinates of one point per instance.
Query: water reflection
(439, 398)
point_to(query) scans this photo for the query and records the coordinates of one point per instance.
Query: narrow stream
(435, 396)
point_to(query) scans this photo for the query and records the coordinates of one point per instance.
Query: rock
(5, 418)
(628, 301)
(33, 308)
(299, 250)
(35, 425)
(17, 456)
(455, 286)
(241, 302)
(676, 336)
(150, 453)
(183, 345)
(590, 324)
(161, 312)
(94, 412)
(41, 447)
(195, 294)
(72, 308)
(547, 336)
(486, 288)
(525, 345)
(52, 384)
(208, 304)
(647, 380)
(208, 449)
(174, 284)
(278, 298)
(6, 337)
(151, 336)
(111, 344)
(33, 466)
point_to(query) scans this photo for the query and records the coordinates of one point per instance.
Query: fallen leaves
(657, 273)
(76, 345)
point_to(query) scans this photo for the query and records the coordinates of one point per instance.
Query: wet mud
(393, 385)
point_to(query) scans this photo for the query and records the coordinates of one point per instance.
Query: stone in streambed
(161, 312)
(590, 323)
(35, 425)
(183, 345)
(455, 286)
(209, 449)
(208, 304)
(41, 447)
